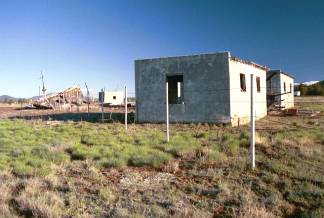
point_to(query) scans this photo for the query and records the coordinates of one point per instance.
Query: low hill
(7, 98)
(321, 83)
(314, 89)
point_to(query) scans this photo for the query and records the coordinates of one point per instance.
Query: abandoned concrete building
(280, 89)
(212, 88)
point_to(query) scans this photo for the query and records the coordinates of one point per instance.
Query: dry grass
(38, 201)
(98, 170)
(251, 206)
(253, 210)
(261, 140)
(7, 182)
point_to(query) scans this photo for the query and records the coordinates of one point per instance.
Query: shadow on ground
(92, 117)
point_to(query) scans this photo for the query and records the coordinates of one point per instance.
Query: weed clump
(154, 158)
(182, 145)
(230, 144)
(22, 169)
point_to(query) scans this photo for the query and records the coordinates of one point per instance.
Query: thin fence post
(88, 98)
(102, 106)
(125, 107)
(252, 126)
(102, 112)
(167, 111)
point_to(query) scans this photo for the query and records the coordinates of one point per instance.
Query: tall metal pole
(102, 106)
(88, 99)
(44, 89)
(252, 126)
(125, 107)
(167, 111)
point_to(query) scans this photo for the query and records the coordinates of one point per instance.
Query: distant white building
(111, 97)
(280, 89)
(297, 93)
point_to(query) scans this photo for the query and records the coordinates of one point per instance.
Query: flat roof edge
(263, 67)
(280, 71)
(182, 56)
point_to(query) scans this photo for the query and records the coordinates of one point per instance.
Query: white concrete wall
(109, 97)
(240, 100)
(287, 98)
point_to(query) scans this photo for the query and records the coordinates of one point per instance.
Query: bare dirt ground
(309, 99)
(77, 112)
(314, 103)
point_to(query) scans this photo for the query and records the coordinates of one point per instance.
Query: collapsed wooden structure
(66, 98)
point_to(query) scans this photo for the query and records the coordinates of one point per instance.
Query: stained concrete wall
(205, 88)
(241, 100)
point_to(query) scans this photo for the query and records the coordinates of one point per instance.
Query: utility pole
(167, 110)
(125, 107)
(44, 89)
(252, 126)
(88, 98)
(102, 105)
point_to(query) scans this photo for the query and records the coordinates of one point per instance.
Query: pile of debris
(294, 112)
(304, 112)
(65, 99)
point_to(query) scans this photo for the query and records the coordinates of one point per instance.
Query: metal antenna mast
(43, 89)
(88, 97)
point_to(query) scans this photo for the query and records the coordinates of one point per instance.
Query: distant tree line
(315, 89)
(12, 101)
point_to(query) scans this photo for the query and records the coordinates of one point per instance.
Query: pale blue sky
(74, 41)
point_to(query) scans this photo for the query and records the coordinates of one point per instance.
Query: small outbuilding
(212, 88)
(280, 89)
(113, 98)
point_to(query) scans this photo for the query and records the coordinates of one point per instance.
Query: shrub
(106, 195)
(22, 169)
(4, 161)
(216, 156)
(46, 154)
(37, 202)
(201, 134)
(182, 146)
(230, 144)
(81, 152)
(112, 162)
(151, 158)
(244, 135)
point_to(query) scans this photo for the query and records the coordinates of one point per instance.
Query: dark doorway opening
(175, 89)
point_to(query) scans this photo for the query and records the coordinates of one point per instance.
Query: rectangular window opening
(290, 88)
(175, 89)
(114, 97)
(243, 83)
(258, 84)
(284, 86)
